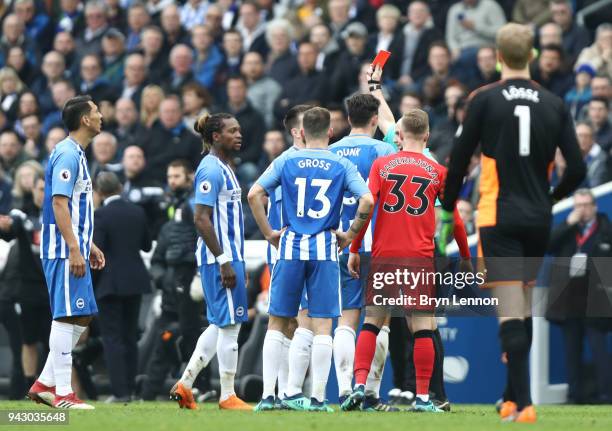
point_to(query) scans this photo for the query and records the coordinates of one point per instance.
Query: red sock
(423, 361)
(364, 352)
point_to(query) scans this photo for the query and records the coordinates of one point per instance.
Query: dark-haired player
(218, 218)
(519, 126)
(67, 251)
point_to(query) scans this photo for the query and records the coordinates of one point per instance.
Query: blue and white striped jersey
(67, 175)
(216, 186)
(361, 150)
(275, 211)
(313, 183)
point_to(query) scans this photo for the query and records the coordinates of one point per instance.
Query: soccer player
(295, 344)
(67, 252)
(218, 218)
(313, 183)
(406, 186)
(519, 125)
(361, 149)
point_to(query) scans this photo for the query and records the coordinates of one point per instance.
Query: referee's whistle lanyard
(582, 239)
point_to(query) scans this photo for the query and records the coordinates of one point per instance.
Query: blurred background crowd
(154, 66)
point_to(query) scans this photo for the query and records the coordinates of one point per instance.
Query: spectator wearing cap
(138, 18)
(193, 13)
(531, 12)
(53, 69)
(96, 25)
(595, 158)
(105, 156)
(346, 75)
(390, 38)
(155, 56)
(471, 24)
(37, 23)
(71, 18)
(169, 139)
(12, 154)
(64, 44)
(281, 63)
(252, 127)
(135, 77)
(307, 86)
(13, 34)
(128, 130)
(181, 64)
(208, 57)
(174, 32)
(598, 118)
(548, 70)
(575, 37)
(580, 95)
(327, 46)
(599, 55)
(61, 91)
(252, 29)
(262, 90)
(121, 232)
(113, 57)
(92, 82)
(419, 34)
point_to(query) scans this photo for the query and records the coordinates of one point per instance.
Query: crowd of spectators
(153, 67)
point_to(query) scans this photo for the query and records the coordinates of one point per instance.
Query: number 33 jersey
(405, 185)
(313, 182)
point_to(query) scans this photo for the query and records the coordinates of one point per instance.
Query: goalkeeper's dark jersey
(519, 126)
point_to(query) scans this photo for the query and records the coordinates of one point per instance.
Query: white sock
(423, 398)
(47, 377)
(60, 347)
(227, 355)
(299, 360)
(321, 360)
(272, 360)
(283, 370)
(77, 331)
(344, 357)
(204, 351)
(372, 387)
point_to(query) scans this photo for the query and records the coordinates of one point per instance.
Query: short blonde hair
(9, 73)
(388, 10)
(514, 44)
(415, 122)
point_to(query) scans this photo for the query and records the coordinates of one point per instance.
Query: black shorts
(513, 253)
(35, 322)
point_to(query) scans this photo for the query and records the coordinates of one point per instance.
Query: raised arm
(385, 115)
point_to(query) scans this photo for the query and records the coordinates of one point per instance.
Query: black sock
(437, 378)
(514, 342)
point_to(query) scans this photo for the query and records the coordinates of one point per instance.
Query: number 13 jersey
(313, 182)
(405, 185)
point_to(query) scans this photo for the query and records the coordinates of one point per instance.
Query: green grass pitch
(153, 416)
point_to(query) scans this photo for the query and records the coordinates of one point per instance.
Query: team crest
(64, 175)
(80, 303)
(205, 187)
(240, 311)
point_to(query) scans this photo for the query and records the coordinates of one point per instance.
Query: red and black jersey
(405, 186)
(519, 126)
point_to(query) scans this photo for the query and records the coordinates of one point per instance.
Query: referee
(519, 126)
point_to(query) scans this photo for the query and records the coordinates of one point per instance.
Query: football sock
(372, 387)
(344, 354)
(77, 331)
(60, 348)
(227, 355)
(364, 352)
(204, 351)
(283, 370)
(321, 363)
(272, 358)
(299, 360)
(47, 377)
(423, 355)
(437, 377)
(515, 343)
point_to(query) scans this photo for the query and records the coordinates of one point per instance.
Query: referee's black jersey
(519, 125)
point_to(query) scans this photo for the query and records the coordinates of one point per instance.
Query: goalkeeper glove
(447, 220)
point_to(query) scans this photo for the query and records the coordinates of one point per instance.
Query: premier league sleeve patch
(205, 187)
(65, 175)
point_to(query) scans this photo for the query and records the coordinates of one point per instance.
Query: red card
(381, 58)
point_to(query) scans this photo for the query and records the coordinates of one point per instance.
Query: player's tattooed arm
(366, 204)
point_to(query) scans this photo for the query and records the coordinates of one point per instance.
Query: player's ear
(426, 137)
(330, 133)
(302, 135)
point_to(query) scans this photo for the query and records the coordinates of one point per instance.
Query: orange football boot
(183, 396)
(508, 410)
(234, 403)
(527, 415)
